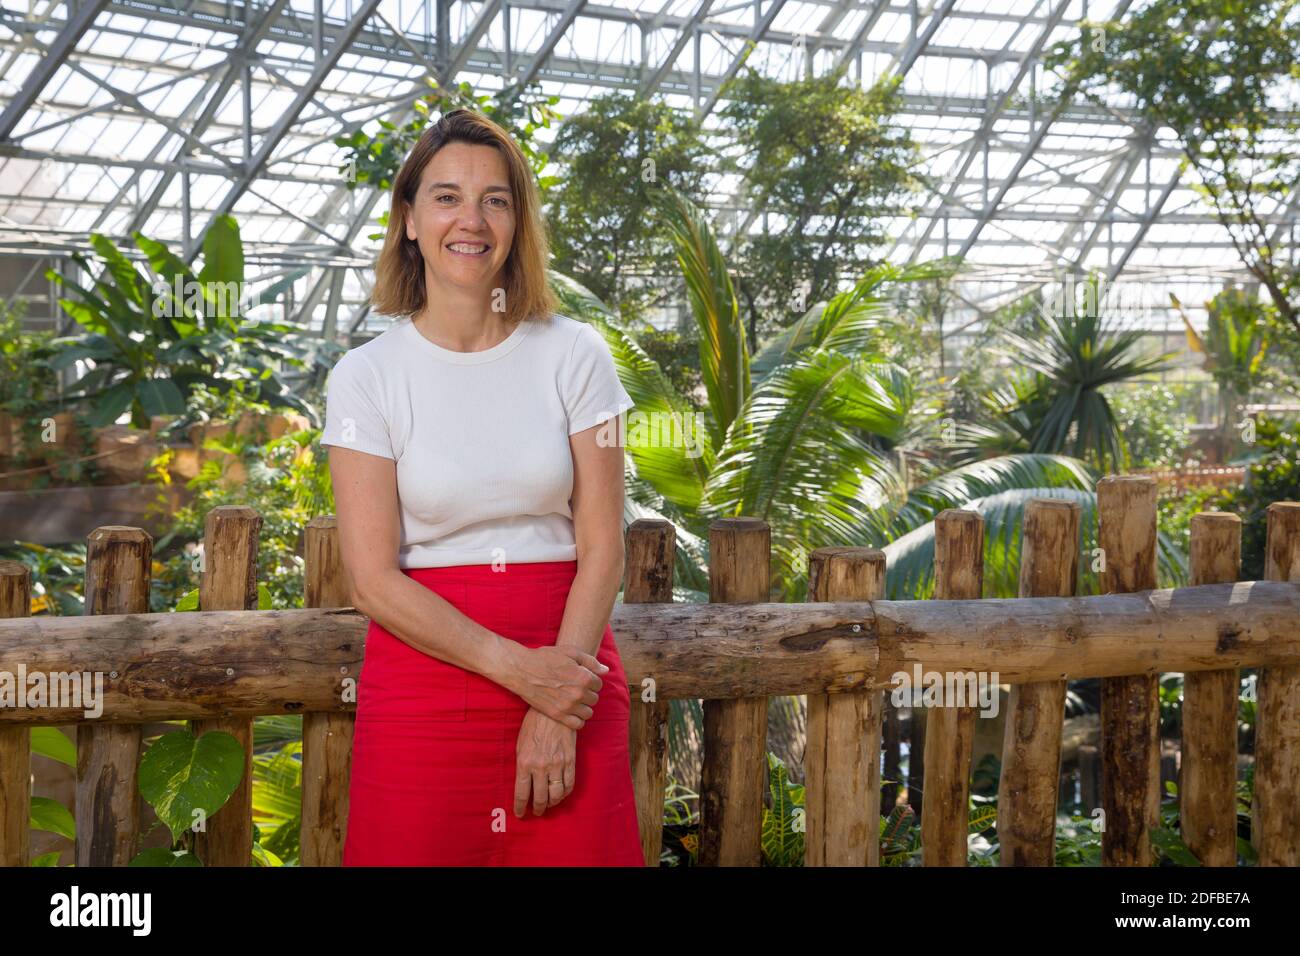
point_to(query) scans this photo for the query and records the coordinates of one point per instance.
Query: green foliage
(54, 743)
(150, 347)
(277, 801)
(58, 575)
(613, 157)
(1274, 476)
(900, 836)
(1078, 843)
(29, 397)
(47, 814)
(1071, 355)
(187, 779)
(1213, 72)
(288, 484)
(783, 817)
(1150, 416)
(827, 163)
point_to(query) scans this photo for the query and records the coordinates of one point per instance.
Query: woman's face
(463, 216)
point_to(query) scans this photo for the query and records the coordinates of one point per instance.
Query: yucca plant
(1073, 354)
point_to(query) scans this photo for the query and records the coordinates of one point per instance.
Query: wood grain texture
(118, 563)
(1207, 786)
(650, 547)
(15, 739)
(1275, 824)
(842, 757)
(1130, 705)
(1031, 745)
(229, 583)
(734, 775)
(326, 735)
(950, 729)
(178, 666)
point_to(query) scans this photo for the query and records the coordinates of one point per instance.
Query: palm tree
(807, 435)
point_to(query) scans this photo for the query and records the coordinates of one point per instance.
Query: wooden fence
(223, 665)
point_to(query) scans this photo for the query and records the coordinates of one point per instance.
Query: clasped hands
(561, 686)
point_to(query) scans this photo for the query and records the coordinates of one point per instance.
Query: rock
(129, 451)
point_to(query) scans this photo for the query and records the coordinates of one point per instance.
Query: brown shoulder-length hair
(399, 272)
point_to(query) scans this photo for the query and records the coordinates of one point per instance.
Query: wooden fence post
(1207, 790)
(950, 730)
(229, 583)
(15, 739)
(842, 758)
(651, 546)
(734, 776)
(1275, 825)
(119, 563)
(1031, 743)
(326, 736)
(1130, 706)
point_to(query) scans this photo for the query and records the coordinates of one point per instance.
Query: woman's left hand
(545, 762)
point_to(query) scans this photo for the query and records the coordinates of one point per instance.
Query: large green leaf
(160, 396)
(53, 816)
(125, 276)
(54, 743)
(782, 836)
(222, 275)
(802, 456)
(181, 774)
(111, 403)
(277, 799)
(724, 352)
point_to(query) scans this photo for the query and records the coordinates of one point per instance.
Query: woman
(480, 511)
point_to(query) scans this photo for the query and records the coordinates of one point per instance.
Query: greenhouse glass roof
(118, 115)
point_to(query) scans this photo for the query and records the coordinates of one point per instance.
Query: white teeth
(466, 247)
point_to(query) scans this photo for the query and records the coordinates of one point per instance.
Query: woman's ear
(410, 226)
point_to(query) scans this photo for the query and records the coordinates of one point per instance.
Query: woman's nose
(473, 216)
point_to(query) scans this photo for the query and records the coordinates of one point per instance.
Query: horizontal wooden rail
(245, 663)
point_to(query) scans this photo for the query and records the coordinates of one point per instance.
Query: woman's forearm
(431, 624)
(591, 599)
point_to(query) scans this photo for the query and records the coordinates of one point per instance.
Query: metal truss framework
(160, 115)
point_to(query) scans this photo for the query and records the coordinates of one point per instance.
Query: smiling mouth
(471, 249)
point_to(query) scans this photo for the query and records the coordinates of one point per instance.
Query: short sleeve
(590, 386)
(353, 417)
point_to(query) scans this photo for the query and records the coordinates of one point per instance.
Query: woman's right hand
(561, 682)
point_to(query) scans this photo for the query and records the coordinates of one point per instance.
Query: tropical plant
(1274, 475)
(57, 575)
(1235, 343)
(820, 434)
(1212, 74)
(784, 822)
(186, 779)
(287, 483)
(1070, 356)
(151, 341)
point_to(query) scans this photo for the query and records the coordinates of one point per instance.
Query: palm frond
(724, 353)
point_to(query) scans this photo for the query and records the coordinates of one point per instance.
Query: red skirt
(433, 757)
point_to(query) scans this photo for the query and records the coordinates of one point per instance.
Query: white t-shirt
(481, 439)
